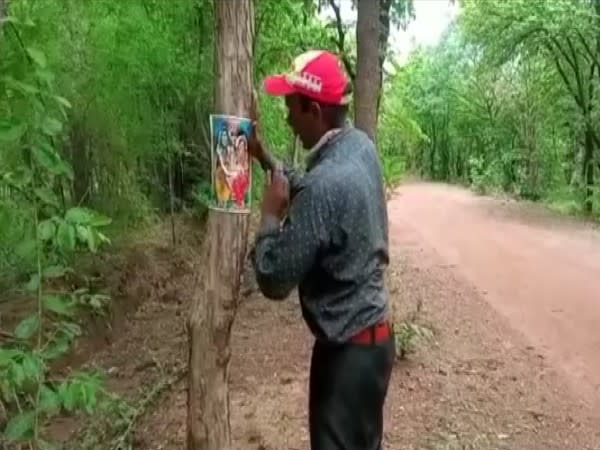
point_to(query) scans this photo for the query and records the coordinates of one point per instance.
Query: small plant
(479, 175)
(407, 335)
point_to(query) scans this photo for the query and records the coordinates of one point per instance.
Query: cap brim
(278, 85)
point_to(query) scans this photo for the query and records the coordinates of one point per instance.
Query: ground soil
(511, 292)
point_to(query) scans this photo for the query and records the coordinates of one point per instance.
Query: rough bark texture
(223, 254)
(367, 81)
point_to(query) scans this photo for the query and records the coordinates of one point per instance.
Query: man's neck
(315, 151)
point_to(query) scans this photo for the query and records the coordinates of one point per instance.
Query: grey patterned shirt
(333, 243)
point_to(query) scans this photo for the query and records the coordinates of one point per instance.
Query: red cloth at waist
(379, 332)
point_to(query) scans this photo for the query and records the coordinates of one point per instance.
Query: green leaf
(27, 327)
(55, 271)
(58, 304)
(7, 355)
(17, 375)
(46, 196)
(100, 220)
(65, 238)
(47, 157)
(46, 230)
(37, 56)
(103, 238)
(63, 101)
(51, 126)
(85, 216)
(67, 394)
(20, 427)
(34, 283)
(86, 235)
(12, 132)
(49, 400)
(32, 367)
(81, 216)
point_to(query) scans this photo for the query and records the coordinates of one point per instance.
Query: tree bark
(217, 292)
(367, 81)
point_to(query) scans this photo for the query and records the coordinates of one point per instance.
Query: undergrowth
(30, 395)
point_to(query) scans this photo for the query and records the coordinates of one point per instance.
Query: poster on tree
(231, 168)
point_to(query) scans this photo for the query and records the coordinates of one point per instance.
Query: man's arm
(283, 255)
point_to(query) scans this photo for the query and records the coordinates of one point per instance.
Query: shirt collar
(315, 151)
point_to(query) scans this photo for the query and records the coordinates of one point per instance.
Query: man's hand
(276, 197)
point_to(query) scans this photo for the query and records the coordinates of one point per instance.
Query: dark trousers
(348, 387)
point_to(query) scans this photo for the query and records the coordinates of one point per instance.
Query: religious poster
(231, 164)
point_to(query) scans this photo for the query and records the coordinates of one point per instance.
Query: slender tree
(217, 293)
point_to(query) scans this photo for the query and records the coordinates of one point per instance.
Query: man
(327, 233)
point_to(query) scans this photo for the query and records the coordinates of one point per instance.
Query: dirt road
(512, 296)
(542, 274)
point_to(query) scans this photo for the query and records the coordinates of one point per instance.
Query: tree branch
(340, 42)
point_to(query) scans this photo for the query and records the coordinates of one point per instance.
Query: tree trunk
(216, 297)
(588, 170)
(368, 78)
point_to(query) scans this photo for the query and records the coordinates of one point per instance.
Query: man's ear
(315, 110)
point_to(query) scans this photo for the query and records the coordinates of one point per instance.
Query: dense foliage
(506, 102)
(103, 128)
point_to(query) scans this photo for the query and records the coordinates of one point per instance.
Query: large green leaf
(86, 216)
(20, 427)
(33, 367)
(7, 355)
(86, 234)
(27, 327)
(49, 400)
(65, 238)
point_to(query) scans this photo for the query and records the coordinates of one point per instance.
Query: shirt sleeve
(285, 253)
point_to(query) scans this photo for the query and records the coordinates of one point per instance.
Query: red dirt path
(543, 277)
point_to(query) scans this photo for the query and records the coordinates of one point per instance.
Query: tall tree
(216, 298)
(368, 70)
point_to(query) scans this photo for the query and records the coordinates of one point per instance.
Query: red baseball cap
(318, 74)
